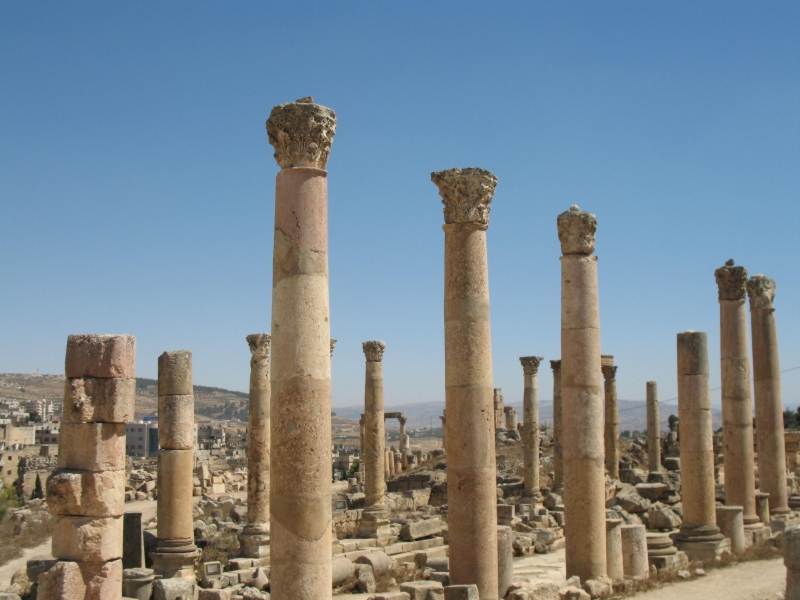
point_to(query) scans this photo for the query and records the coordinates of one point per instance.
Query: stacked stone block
(87, 491)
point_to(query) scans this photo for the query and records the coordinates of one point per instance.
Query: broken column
(768, 399)
(87, 491)
(374, 522)
(300, 487)
(581, 398)
(558, 448)
(175, 551)
(653, 428)
(471, 471)
(611, 431)
(498, 408)
(254, 540)
(511, 417)
(530, 425)
(737, 412)
(699, 535)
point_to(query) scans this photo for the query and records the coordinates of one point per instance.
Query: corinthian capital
(609, 371)
(374, 350)
(259, 344)
(556, 366)
(761, 290)
(530, 364)
(731, 281)
(576, 229)
(466, 194)
(333, 343)
(301, 133)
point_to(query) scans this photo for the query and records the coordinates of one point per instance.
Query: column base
(701, 542)
(662, 554)
(173, 558)
(254, 541)
(756, 533)
(374, 525)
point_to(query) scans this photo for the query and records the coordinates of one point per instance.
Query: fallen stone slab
(423, 590)
(420, 529)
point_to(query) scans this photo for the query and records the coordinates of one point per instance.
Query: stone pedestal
(558, 449)
(737, 414)
(374, 522)
(614, 561)
(791, 559)
(611, 431)
(175, 552)
(634, 551)
(471, 471)
(254, 539)
(731, 524)
(86, 493)
(530, 425)
(662, 554)
(653, 428)
(300, 485)
(768, 399)
(582, 402)
(699, 535)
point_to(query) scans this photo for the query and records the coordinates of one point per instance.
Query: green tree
(353, 469)
(37, 489)
(672, 421)
(34, 417)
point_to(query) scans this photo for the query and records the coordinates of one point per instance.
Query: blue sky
(137, 183)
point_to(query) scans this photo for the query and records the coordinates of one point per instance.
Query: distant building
(141, 439)
(47, 435)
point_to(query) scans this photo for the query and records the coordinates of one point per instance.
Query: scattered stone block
(598, 588)
(214, 595)
(259, 580)
(103, 581)
(663, 517)
(172, 589)
(651, 491)
(420, 529)
(381, 563)
(391, 596)
(461, 592)
(93, 400)
(38, 565)
(64, 580)
(342, 570)
(423, 590)
(103, 356)
(573, 593)
(88, 539)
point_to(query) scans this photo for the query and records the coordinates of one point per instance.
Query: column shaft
(611, 432)
(300, 485)
(768, 398)
(558, 448)
(530, 425)
(653, 428)
(374, 434)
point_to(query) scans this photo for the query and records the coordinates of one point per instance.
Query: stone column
(634, 552)
(653, 428)
(402, 443)
(768, 399)
(254, 540)
(699, 535)
(471, 470)
(511, 417)
(175, 551)
(498, 408)
(615, 566)
(611, 416)
(361, 439)
(737, 412)
(300, 486)
(374, 523)
(387, 471)
(444, 429)
(731, 524)
(558, 448)
(582, 402)
(530, 425)
(86, 493)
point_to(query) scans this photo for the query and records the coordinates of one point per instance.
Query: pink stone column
(530, 425)
(558, 448)
(611, 431)
(86, 493)
(254, 540)
(582, 398)
(300, 488)
(768, 399)
(471, 470)
(737, 412)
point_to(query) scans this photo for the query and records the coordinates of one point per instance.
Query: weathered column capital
(731, 281)
(609, 371)
(530, 364)
(402, 420)
(259, 344)
(556, 366)
(301, 133)
(466, 194)
(576, 229)
(333, 343)
(373, 350)
(761, 290)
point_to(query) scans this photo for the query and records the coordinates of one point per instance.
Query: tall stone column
(374, 523)
(254, 540)
(737, 412)
(653, 428)
(558, 448)
(86, 493)
(498, 408)
(175, 551)
(444, 429)
(611, 416)
(768, 399)
(471, 470)
(361, 431)
(530, 425)
(582, 400)
(699, 535)
(300, 486)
